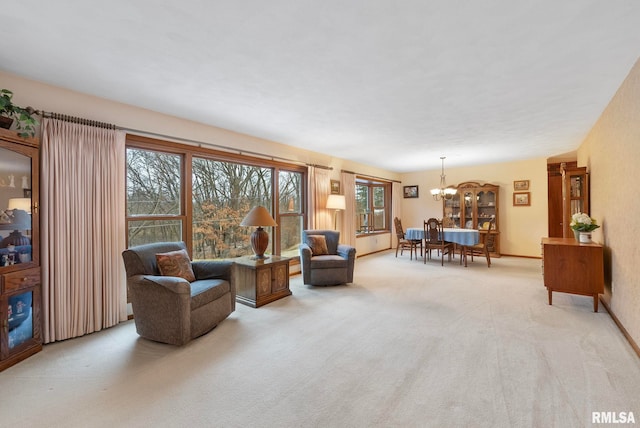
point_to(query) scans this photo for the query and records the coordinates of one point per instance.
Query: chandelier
(443, 192)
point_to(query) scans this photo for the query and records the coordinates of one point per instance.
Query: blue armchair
(172, 309)
(332, 264)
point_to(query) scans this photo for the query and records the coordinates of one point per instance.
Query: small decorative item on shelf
(582, 226)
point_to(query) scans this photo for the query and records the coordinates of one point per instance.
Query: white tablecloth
(459, 236)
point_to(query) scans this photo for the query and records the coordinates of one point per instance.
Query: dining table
(459, 236)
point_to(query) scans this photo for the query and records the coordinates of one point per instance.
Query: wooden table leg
(549, 290)
(595, 302)
(463, 248)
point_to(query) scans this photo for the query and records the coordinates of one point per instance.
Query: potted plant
(582, 225)
(25, 122)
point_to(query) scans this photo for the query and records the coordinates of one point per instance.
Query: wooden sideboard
(262, 281)
(573, 267)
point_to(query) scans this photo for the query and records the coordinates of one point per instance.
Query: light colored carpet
(407, 344)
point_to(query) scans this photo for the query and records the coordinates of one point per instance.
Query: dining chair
(404, 243)
(433, 240)
(482, 248)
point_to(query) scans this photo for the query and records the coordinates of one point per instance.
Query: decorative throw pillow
(176, 263)
(318, 245)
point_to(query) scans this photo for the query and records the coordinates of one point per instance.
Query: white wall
(51, 98)
(54, 99)
(611, 153)
(373, 243)
(521, 228)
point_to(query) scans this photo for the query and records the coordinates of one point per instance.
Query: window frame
(372, 184)
(187, 153)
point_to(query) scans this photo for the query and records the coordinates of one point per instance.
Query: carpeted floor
(406, 345)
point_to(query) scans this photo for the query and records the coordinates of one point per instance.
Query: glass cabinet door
(15, 208)
(486, 208)
(468, 201)
(577, 192)
(20, 319)
(451, 214)
(575, 195)
(20, 322)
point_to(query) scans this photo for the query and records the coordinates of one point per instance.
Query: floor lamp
(337, 203)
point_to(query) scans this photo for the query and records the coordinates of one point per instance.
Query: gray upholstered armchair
(332, 265)
(171, 309)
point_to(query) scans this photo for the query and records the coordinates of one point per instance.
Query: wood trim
(15, 138)
(522, 257)
(624, 331)
(374, 252)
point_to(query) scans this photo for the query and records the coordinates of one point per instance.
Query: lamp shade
(336, 202)
(258, 216)
(23, 204)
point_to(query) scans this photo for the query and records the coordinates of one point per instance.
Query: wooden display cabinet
(473, 207)
(262, 281)
(572, 267)
(20, 286)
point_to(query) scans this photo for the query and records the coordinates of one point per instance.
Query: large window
(154, 207)
(200, 196)
(291, 203)
(373, 206)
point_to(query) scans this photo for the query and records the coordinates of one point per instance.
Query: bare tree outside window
(153, 190)
(222, 192)
(372, 206)
(291, 212)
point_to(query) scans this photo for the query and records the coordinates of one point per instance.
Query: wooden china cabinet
(473, 207)
(20, 286)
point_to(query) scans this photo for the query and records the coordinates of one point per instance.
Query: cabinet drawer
(21, 279)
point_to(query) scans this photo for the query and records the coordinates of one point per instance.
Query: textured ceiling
(386, 83)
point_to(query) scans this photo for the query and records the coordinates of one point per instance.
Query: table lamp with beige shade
(19, 215)
(260, 217)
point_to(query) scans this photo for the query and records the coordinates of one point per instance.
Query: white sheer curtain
(348, 232)
(83, 229)
(318, 191)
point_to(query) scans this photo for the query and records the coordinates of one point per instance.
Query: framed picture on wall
(519, 185)
(410, 191)
(335, 187)
(521, 199)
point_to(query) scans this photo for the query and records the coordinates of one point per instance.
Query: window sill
(377, 232)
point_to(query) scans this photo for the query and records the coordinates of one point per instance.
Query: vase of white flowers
(582, 226)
